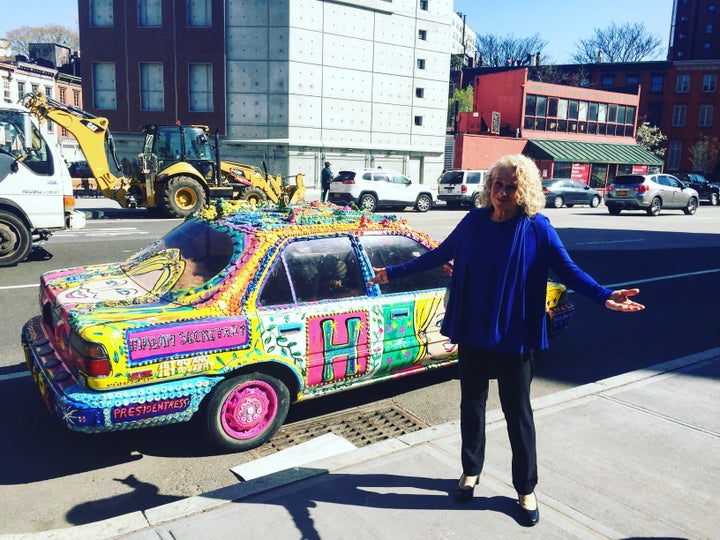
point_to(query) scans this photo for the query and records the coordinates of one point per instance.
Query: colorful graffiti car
(235, 314)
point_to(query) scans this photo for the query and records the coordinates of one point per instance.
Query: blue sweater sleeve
(570, 273)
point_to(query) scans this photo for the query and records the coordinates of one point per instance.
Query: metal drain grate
(360, 427)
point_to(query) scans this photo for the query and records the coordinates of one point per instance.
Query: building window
(199, 13)
(678, 119)
(682, 86)
(149, 13)
(632, 81)
(709, 82)
(104, 90)
(421, 63)
(62, 93)
(201, 88)
(422, 35)
(151, 87)
(608, 81)
(706, 112)
(101, 13)
(656, 84)
(420, 92)
(424, 5)
(6, 91)
(418, 120)
(76, 98)
(674, 154)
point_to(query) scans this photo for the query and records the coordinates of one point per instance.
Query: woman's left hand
(619, 301)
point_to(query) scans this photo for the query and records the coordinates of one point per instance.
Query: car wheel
(691, 207)
(15, 239)
(423, 203)
(558, 201)
(655, 207)
(476, 201)
(595, 201)
(714, 199)
(368, 202)
(243, 412)
(614, 210)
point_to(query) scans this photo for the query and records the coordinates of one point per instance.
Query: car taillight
(463, 189)
(349, 181)
(93, 356)
(642, 188)
(546, 190)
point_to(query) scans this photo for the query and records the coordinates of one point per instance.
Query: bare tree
(508, 50)
(567, 76)
(53, 33)
(614, 44)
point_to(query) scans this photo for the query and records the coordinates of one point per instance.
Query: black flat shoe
(465, 494)
(529, 518)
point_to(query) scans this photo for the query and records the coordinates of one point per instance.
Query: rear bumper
(83, 409)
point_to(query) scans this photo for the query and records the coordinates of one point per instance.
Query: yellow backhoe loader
(178, 172)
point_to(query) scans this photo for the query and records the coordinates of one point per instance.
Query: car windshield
(628, 179)
(186, 258)
(452, 177)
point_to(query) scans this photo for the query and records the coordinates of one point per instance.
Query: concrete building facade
(293, 83)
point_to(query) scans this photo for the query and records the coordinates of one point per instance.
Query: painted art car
(237, 313)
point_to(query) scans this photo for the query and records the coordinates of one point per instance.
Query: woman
(496, 313)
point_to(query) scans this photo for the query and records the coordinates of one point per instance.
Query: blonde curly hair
(529, 194)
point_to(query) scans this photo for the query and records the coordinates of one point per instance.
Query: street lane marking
(609, 242)
(9, 287)
(661, 278)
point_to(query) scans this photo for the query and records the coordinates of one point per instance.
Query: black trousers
(514, 372)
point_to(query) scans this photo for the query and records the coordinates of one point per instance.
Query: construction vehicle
(178, 171)
(36, 196)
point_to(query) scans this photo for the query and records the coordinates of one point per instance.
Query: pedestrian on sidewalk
(502, 253)
(326, 177)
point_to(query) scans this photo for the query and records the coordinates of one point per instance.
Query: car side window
(314, 270)
(367, 176)
(472, 178)
(390, 250)
(400, 179)
(381, 177)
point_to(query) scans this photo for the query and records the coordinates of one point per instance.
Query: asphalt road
(51, 478)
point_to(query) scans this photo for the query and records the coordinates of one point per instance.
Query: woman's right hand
(380, 277)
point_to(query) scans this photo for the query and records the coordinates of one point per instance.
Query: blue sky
(563, 23)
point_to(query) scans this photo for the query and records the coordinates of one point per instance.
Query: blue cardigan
(499, 284)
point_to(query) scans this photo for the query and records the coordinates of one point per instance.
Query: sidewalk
(631, 456)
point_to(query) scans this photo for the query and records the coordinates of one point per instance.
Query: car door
(412, 308)
(384, 188)
(680, 196)
(316, 317)
(403, 189)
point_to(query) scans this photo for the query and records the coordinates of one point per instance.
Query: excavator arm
(92, 135)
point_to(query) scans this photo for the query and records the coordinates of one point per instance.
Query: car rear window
(628, 179)
(344, 175)
(452, 177)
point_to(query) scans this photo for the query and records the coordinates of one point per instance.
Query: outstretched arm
(619, 301)
(379, 278)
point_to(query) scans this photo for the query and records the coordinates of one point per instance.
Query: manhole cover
(359, 426)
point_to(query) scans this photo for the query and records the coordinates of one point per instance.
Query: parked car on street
(561, 192)
(461, 187)
(370, 189)
(650, 192)
(236, 313)
(708, 191)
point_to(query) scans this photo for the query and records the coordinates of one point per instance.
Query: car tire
(475, 203)
(182, 196)
(569, 205)
(691, 207)
(244, 412)
(655, 207)
(368, 202)
(595, 201)
(15, 239)
(614, 210)
(423, 203)
(714, 199)
(558, 202)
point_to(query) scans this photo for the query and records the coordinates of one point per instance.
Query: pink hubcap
(248, 410)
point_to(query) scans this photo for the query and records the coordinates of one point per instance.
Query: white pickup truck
(36, 195)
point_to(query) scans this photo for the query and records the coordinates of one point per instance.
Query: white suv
(458, 187)
(373, 188)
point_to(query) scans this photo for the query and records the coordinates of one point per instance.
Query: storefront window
(541, 105)
(553, 107)
(583, 111)
(530, 104)
(562, 108)
(573, 110)
(598, 175)
(602, 113)
(612, 113)
(562, 170)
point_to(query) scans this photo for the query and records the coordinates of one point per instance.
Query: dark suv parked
(708, 191)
